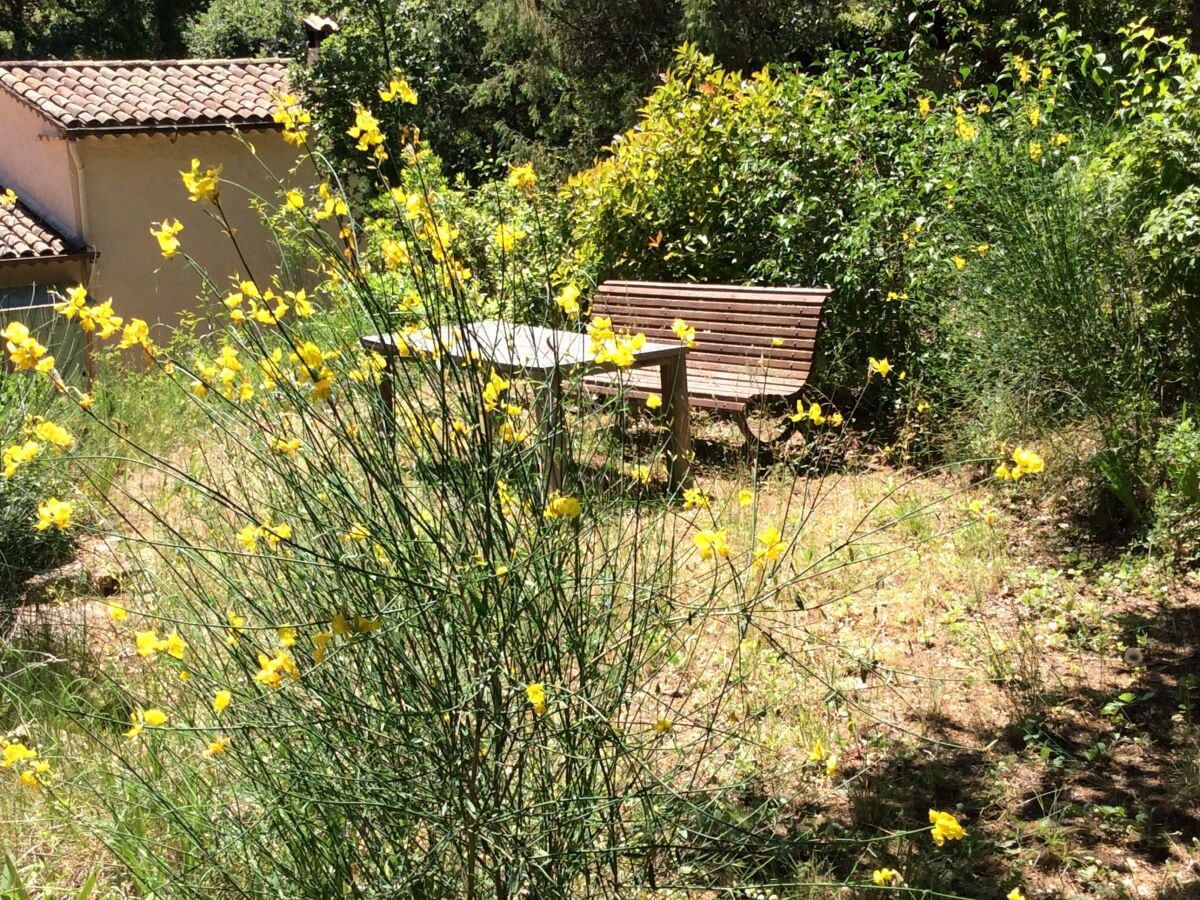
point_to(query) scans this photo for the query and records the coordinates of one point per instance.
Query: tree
(239, 28)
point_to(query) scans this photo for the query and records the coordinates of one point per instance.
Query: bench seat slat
(735, 360)
(714, 291)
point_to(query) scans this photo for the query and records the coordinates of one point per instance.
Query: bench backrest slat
(736, 326)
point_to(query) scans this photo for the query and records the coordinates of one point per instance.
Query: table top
(513, 348)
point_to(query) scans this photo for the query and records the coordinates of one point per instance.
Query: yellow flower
(960, 263)
(398, 88)
(54, 434)
(1015, 894)
(561, 507)
(25, 350)
(1035, 150)
(117, 613)
(135, 723)
(493, 390)
(320, 642)
(507, 237)
(19, 454)
(217, 746)
(568, 301)
(236, 623)
(963, 129)
(202, 185)
(136, 333)
(535, 693)
(366, 130)
(288, 447)
(772, 545)
(294, 199)
(945, 827)
(831, 766)
(292, 117)
(54, 512)
(174, 645)
(745, 497)
(653, 401)
(8, 198)
(1059, 140)
(835, 419)
(357, 532)
(147, 642)
(221, 700)
(1004, 473)
(16, 752)
(882, 366)
(694, 498)
(641, 474)
(168, 243)
(923, 106)
(1035, 116)
(685, 333)
(523, 178)
(154, 718)
(271, 669)
(247, 537)
(711, 543)
(817, 753)
(884, 877)
(1024, 70)
(663, 725)
(1026, 462)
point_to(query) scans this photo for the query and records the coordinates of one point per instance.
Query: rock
(65, 582)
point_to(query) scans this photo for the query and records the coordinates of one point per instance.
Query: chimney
(316, 29)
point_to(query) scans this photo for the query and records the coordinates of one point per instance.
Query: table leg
(387, 394)
(679, 419)
(551, 423)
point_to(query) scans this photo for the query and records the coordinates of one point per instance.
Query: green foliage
(25, 551)
(239, 28)
(777, 179)
(96, 29)
(1176, 510)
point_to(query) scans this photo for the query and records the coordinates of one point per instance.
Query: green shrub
(1176, 526)
(24, 550)
(777, 178)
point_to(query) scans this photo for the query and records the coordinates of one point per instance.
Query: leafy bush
(24, 550)
(789, 178)
(1176, 528)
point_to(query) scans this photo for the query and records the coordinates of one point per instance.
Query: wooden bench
(754, 345)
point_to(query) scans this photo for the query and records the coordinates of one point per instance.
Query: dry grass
(949, 663)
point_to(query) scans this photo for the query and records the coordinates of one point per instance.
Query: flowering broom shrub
(375, 651)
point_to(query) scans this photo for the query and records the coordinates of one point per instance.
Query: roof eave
(74, 134)
(84, 255)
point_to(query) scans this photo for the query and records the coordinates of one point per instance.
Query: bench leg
(673, 375)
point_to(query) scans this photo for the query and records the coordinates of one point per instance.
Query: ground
(987, 662)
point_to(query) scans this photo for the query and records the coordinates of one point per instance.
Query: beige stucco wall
(37, 168)
(131, 181)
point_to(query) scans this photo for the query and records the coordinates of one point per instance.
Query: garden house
(93, 153)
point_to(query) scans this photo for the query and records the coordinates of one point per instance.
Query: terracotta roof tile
(154, 95)
(24, 236)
